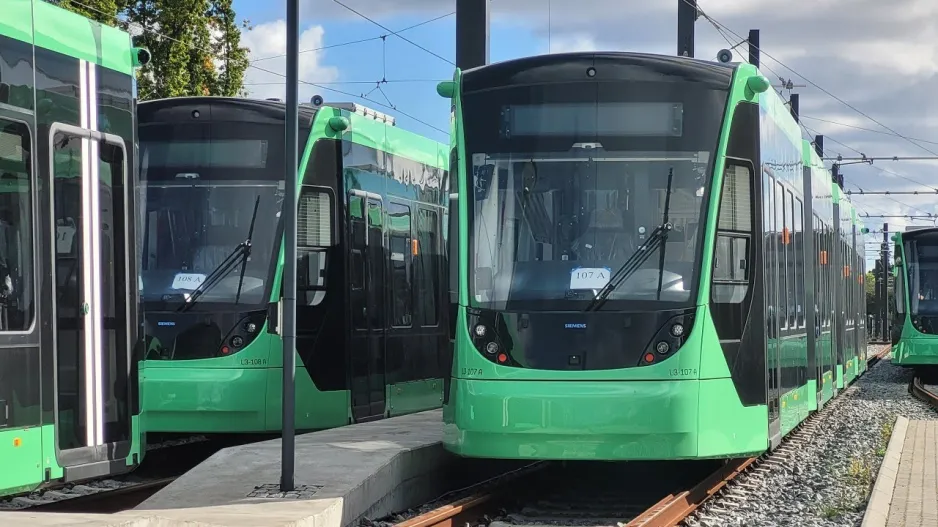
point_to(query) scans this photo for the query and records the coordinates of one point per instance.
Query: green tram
(69, 401)
(636, 243)
(371, 322)
(915, 324)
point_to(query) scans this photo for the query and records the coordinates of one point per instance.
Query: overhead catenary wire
(254, 66)
(762, 52)
(411, 42)
(864, 129)
(722, 30)
(362, 40)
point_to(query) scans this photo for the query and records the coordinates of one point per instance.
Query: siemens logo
(165, 323)
(574, 326)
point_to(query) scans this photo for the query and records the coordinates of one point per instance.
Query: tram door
(772, 226)
(91, 311)
(369, 317)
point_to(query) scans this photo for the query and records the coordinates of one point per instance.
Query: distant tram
(371, 334)
(915, 324)
(69, 407)
(649, 262)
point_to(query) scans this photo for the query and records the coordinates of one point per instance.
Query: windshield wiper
(667, 209)
(240, 254)
(655, 240)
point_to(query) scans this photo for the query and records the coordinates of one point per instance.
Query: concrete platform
(344, 474)
(906, 489)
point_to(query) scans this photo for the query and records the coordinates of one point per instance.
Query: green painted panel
(778, 109)
(315, 410)
(17, 20)
(915, 348)
(379, 135)
(73, 35)
(572, 420)
(795, 407)
(415, 396)
(21, 452)
(827, 389)
(806, 150)
(726, 427)
(138, 442)
(712, 360)
(190, 398)
(812, 395)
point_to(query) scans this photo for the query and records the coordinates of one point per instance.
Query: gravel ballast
(825, 481)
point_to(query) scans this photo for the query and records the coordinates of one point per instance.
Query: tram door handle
(85, 309)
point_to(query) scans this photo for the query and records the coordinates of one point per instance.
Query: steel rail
(918, 390)
(105, 501)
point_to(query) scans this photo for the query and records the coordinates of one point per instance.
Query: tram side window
(357, 233)
(427, 263)
(819, 276)
(825, 278)
(781, 221)
(800, 262)
(791, 256)
(314, 237)
(731, 257)
(899, 287)
(768, 226)
(401, 260)
(16, 232)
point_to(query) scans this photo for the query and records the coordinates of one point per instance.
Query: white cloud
(572, 43)
(268, 41)
(880, 57)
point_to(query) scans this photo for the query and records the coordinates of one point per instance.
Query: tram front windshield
(922, 264)
(563, 194)
(202, 202)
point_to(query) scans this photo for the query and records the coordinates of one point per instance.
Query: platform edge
(877, 510)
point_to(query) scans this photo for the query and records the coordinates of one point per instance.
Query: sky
(865, 69)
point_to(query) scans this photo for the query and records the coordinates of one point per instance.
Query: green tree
(195, 44)
(104, 11)
(232, 58)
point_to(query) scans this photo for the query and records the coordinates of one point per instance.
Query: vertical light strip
(97, 308)
(89, 351)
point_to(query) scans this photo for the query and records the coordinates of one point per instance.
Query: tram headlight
(480, 330)
(250, 327)
(677, 330)
(491, 348)
(662, 347)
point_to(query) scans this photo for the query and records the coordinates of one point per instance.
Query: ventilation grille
(314, 220)
(735, 206)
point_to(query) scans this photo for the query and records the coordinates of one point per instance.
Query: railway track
(112, 494)
(876, 357)
(919, 390)
(606, 494)
(107, 501)
(527, 499)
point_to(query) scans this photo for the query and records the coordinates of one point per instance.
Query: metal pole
(288, 323)
(884, 309)
(878, 298)
(754, 47)
(472, 33)
(686, 18)
(795, 106)
(819, 145)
